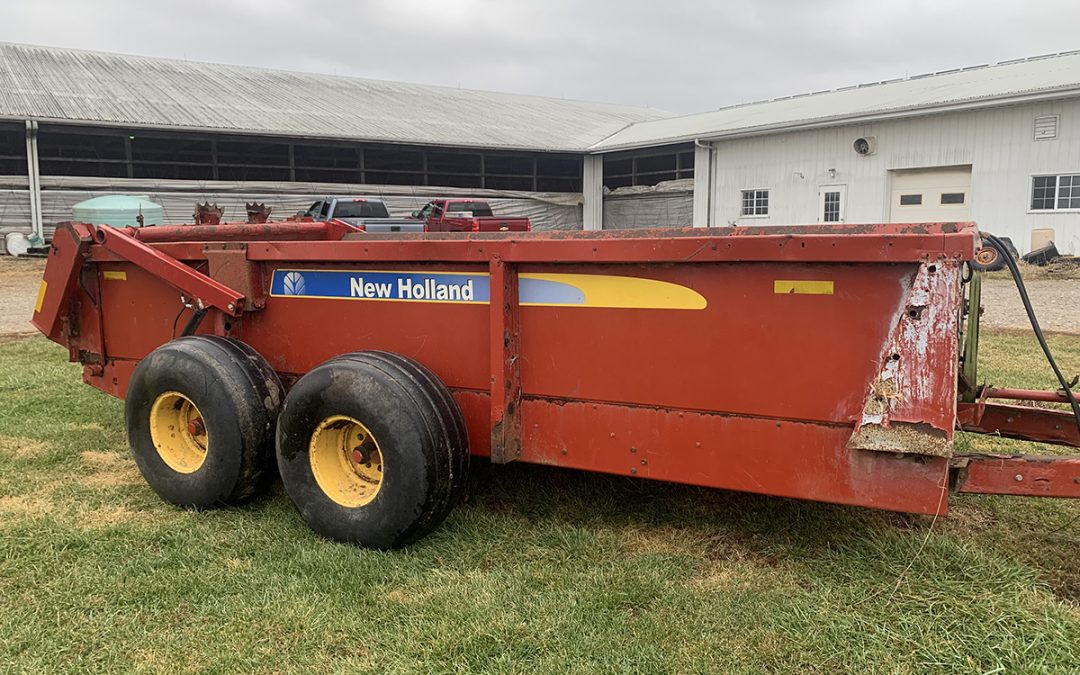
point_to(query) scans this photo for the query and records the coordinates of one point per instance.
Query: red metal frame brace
(204, 291)
(1025, 394)
(1024, 475)
(1025, 423)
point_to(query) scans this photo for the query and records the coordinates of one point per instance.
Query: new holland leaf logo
(293, 283)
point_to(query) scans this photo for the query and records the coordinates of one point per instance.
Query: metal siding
(548, 211)
(90, 87)
(593, 193)
(997, 143)
(702, 179)
(662, 209)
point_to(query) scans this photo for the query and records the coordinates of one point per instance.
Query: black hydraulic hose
(193, 323)
(1015, 271)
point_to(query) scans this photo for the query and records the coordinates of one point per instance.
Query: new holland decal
(546, 290)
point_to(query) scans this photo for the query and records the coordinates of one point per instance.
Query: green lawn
(540, 571)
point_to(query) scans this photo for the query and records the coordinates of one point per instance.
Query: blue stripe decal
(547, 289)
(414, 287)
(547, 292)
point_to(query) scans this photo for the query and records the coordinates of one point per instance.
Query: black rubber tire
(997, 262)
(239, 396)
(453, 421)
(420, 432)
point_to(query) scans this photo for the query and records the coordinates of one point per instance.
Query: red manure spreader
(824, 362)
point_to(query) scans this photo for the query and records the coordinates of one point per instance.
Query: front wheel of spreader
(372, 449)
(200, 414)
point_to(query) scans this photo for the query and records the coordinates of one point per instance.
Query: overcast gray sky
(675, 55)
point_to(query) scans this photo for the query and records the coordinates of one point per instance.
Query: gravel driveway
(1056, 301)
(19, 281)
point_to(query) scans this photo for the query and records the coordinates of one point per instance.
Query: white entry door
(832, 202)
(931, 195)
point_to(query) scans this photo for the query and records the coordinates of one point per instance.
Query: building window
(831, 210)
(755, 202)
(12, 150)
(164, 155)
(910, 200)
(1068, 192)
(952, 197)
(1049, 193)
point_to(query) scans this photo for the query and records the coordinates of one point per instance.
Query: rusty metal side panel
(911, 402)
(784, 458)
(790, 459)
(751, 348)
(746, 349)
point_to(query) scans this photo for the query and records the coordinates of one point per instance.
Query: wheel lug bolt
(196, 427)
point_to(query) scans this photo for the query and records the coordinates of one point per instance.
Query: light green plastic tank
(118, 211)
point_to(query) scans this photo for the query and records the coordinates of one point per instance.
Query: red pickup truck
(467, 215)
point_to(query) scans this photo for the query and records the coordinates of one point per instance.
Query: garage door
(931, 195)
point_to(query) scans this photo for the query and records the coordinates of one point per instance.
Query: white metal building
(997, 144)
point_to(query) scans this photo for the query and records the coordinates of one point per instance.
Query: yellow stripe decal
(605, 290)
(40, 296)
(797, 287)
(114, 276)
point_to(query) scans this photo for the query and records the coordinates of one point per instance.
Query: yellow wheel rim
(346, 461)
(178, 432)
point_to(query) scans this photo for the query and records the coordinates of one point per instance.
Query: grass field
(541, 571)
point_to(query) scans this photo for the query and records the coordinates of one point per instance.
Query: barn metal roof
(46, 83)
(1050, 76)
(74, 86)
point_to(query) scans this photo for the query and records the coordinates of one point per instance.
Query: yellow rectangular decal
(40, 296)
(788, 286)
(114, 276)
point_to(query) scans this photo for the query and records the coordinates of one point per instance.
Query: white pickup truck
(368, 214)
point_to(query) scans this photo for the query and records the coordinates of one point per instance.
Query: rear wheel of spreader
(372, 449)
(200, 414)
